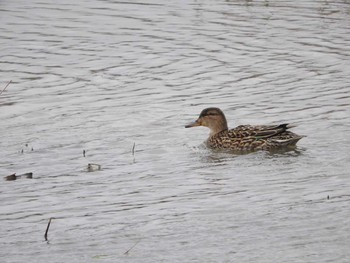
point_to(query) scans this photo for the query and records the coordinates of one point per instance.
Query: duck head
(213, 118)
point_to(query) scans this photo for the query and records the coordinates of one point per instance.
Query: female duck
(244, 138)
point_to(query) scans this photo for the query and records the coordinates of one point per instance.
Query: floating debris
(27, 148)
(13, 177)
(92, 167)
(84, 153)
(27, 175)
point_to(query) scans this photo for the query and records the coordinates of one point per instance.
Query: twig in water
(133, 149)
(127, 252)
(5, 87)
(47, 229)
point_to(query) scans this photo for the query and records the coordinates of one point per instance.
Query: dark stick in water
(47, 229)
(127, 252)
(133, 149)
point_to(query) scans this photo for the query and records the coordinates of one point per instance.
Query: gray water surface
(101, 76)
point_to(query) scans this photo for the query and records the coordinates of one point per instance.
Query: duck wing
(247, 138)
(258, 132)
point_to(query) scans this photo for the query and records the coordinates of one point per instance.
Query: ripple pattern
(102, 75)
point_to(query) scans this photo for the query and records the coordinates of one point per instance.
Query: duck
(244, 138)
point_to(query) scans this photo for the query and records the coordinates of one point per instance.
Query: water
(100, 76)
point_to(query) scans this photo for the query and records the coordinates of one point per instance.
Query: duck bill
(193, 124)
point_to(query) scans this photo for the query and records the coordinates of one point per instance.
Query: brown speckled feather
(251, 138)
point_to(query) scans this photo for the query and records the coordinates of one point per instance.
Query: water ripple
(104, 76)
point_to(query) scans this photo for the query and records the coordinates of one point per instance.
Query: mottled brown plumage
(244, 138)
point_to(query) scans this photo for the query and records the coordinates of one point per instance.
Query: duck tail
(286, 126)
(289, 141)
